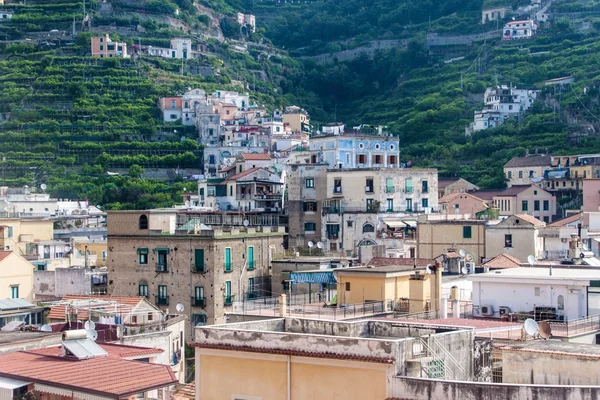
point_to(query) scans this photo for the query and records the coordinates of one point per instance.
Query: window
(361, 159)
(536, 291)
(408, 185)
(228, 296)
(199, 260)
(389, 185)
(520, 174)
(409, 205)
(392, 160)
(536, 205)
(368, 228)
(369, 185)
(251, 289)
(142, 256)
(378, 159)
(310, 182)
(173, 104)
(199, 300)
(467, 232)
(370, 206)
(507, 240)
(535, 192)
(9, 232)
(333, 231)
(390, 205)
(546, 219)
(424, 203)
(173, 116)
(349, 224)
(163, 297)
(509, 174)
(250, 257)
(14, 292)
(143, 222)
(310, 206)
(546, 205)
(143, 289)
(424, 187)
(337, 186)
(161, 260)
(347, 286)
(524, 205)
(228, 259)
(101, 47)
(101, 40)
(310, 227)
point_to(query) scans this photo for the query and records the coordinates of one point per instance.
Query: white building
(558, 236)
(552, 293)
(180, 48)
(493, 14)
(5, 15)
(248, 20)
(519, 29)
(241, 101)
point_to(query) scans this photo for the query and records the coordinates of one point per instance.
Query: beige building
(359, 285)
(439, 236)
(518, 235)
(526, 199)
(16, 277)
(462, 203)
(296, 119)
(448, 186)
(203, 261)
(493, 14)
(22, 235)
(523, 170)
(104, 47)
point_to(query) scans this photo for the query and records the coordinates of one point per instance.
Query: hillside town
(234, 245)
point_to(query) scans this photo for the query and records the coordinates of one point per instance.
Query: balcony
(162, 301)
(390, 189)
(227, 267)
(198, 269)
(199, 302)
(228, 301)
(331, 210)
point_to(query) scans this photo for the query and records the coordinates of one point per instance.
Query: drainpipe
(289, 377)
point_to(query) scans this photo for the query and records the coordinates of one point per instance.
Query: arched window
(367, 228)
(366, 242)
(143, 222)
(143, 288)
(199, 319)
(561, 302)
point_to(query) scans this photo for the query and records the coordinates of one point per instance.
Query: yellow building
(438, 236)
(97, 252)
(20, 235)
(16, 277)
(296, 119)
(307, 359)
(420, 289)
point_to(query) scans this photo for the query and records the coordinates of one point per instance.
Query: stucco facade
(435, 237)
(16, 276)
(526, 199)
(518, 236)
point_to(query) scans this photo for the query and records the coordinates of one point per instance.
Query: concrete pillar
(455, 309)
(282, 305)
(444, 308)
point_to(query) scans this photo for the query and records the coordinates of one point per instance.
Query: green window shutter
(199, 259)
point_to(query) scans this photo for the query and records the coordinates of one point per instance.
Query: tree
(230, 27)
(135, 171)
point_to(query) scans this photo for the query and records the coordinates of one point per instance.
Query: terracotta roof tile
(529, 161)
(57, 313)
(4, 254)
(502, 261)
(106, 376)
(532, 220)
(113, 350)
(241, 174)
(514, 190)
(256, 156)
(565, 221)
(299, 353)
(185, 392)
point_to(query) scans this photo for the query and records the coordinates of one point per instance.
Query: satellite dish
(179, 307)
(246, 222)
(46, 328)
(92, 335)
(310, 244)
(545, 329)
(320, 245)
(531, 260)
(462, 253)
(428, 269)
(89, 325)
(464, 271)
(530, 327)
(384, 235)
(67, 248)
(43, 186)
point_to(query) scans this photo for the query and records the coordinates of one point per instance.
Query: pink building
(462, 203)
(104, 47)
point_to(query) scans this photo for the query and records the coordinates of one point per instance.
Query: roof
(487, 195)
(103, 375)
(555, 347)
(256, 156)
(4, 254)
(529, 161)
(379, 262)
(58, 312)
(475, 323)
(450, 254)
(445, 182)
(113, 350)
(539, 273)
(531, 219)
(299, 353)
(449, 197)
(242, 174)
(397, 269)
(502, 261)
(514, 190)
(520, 21)
(565, 221)
(185, 392)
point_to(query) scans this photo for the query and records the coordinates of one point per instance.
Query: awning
(7, 386)
(53, 390)
(411, 223)
(318, 277)
(88, 396)
(394, 223)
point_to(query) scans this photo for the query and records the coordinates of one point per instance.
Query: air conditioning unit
(487, 310)
(470, 267)
(503, 310)
(564, 240)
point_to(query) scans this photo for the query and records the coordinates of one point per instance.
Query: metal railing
(319, 311)
(199, 302)
(576, 327)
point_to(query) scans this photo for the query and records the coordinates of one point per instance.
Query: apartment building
(296, 119)
(436, 236)
(524, 170)
(526, 199)
(493, 14)
(24, 235)
(104, 47)
(203, 261)
(180, 48)
(522, 29)
(16, 276)
(518, 235)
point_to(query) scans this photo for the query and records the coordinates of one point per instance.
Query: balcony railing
(390, 189)
(251, 265)
(198, 269)
(228, 300)
(251, 296)
(162, 301)
(199, 302)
